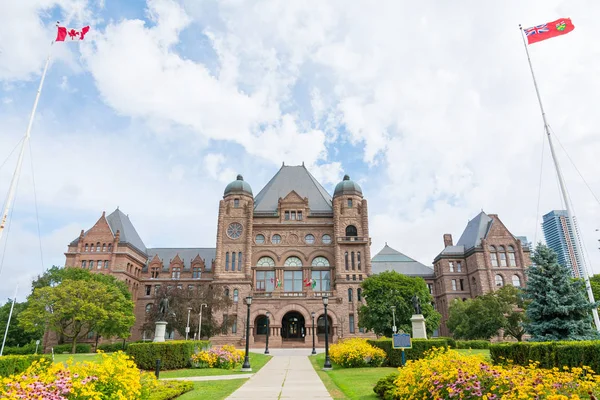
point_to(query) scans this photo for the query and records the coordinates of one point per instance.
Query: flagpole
(8, 323)
(563, 191)
(15, 178)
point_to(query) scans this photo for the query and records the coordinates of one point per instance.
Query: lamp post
(312, 314)
(187, 327)
(200, 321)
(394, 317)
(327, 365)
(267, 342)
(246, 367)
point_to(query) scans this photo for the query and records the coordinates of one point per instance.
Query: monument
(161, 324)
(418, 320)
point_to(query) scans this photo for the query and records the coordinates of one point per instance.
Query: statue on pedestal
(417, 304)
(163, 307)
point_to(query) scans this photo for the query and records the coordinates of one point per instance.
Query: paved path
(210, 378)
(288, 375)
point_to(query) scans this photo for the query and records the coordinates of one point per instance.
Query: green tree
(595, 283)
(180, 300)
(513, 307)
(16, 335)
(479, 318)
(75, 308)
(382, 291)
(559, 309)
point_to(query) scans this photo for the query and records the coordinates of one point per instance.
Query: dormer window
(287, 215)
(293, 215)
(154, 272)
(176, 273)
(299, 215)
(236, 203)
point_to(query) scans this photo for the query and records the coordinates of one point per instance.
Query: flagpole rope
(37, 215)
(11, 153)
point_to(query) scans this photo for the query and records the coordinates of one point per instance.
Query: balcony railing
(322, 294)
(353, 239)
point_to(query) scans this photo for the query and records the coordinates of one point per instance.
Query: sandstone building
(268, 246)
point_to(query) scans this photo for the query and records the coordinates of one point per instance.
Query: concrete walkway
(288, 375)
(209, 378)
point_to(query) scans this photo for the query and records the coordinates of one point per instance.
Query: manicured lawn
(213, 390)
(76, 357)
(257, 361)
(480, 352)
(349, 383)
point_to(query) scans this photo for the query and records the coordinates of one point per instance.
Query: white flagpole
(15, 178)
(563, 191)
(8, 323)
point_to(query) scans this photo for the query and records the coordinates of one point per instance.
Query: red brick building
(292, 231)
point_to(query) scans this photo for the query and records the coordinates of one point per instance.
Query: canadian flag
(71, 34)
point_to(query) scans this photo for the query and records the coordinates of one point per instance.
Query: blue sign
(401, 341)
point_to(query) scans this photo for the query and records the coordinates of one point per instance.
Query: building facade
(287, 247)
(558, 232)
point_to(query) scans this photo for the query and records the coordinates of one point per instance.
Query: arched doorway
(321, 325)
(292, 326)
(261, 325)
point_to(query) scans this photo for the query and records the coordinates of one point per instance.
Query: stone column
(159, 331)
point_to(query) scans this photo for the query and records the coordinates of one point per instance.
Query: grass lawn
(76, 357)
(213, 390)
(257, 361)
(349, 383)
(480, 352)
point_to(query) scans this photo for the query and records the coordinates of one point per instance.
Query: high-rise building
(559, 235)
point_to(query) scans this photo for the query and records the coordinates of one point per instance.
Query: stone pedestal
(418, 326)
(159, 331)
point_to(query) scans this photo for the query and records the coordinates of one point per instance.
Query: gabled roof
(476, 229)
(120, 222)
(185, 254)
(389, 259)
(295, 178)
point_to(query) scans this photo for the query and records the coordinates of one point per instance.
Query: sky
(429, 106)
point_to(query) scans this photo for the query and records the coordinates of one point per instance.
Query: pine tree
(559, 308)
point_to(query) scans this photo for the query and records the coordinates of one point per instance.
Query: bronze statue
(417, 304)
(163, 307)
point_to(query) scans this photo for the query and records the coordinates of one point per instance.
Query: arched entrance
(321, 325)
(292, 326)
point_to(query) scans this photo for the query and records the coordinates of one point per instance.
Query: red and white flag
(71, 34)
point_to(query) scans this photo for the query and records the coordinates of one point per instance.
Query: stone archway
(293, 326)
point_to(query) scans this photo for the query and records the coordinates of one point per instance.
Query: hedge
(472, 344)
(111, 347)
(66, 348)
(16, 364)
(168, 390)
(174, 354)
(549, 354)
(27, 349)
(419, 347)
(451, 341)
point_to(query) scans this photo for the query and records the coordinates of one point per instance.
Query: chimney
(448, 240)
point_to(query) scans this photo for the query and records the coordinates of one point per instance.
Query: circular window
(276, 239)
(234, 230)
(309, 239)
(326, 239)
(260, 239)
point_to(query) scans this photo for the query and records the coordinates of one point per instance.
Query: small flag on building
(71, 34)
(549, 30)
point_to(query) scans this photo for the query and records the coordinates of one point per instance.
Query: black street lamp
(267, 343)
(246, 367)
(312, 314)
(327, 365)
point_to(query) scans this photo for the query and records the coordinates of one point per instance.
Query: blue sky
(430, 107)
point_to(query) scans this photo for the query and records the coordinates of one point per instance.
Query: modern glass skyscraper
(558, 232)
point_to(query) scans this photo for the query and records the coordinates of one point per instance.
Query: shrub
(111, 347)
(168, 390)
(419, 347)
(549, 354)
(448, 374)
(225, 357)
(16, 364)
(356, 353)
(451, 341)
(27, 349)
(385, 386)
(472, 344)
(66, 348)
(174, 354)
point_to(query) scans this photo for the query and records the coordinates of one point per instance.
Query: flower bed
(225, 357)
(447, 374)
(356, 353)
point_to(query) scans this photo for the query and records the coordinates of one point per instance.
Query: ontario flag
(71, 34)
(549, 30)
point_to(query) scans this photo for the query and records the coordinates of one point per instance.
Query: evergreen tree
(559, 309)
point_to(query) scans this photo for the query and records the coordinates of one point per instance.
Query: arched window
(320, 262)
(98, 246)
(516, 281)
(346, 260)
(226, 292)
(350, 295)
(103, 247)
(261, 325)
(293, 262)
(512, 261)
(493, 256)
(474, 282)
(499, 281)
(502, 253)
(235, 295)
(227, 261)
(276, 239)
(148, 307)
(358, 260)
(86, 247)
(240, 261)
(359, 294)
(353, 266)
(265, 262)
(83, 264)
(233, 261)
(109, 247)
(321, 325)
(91, 264)
(351, 230)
